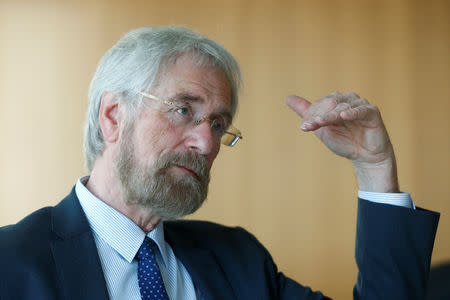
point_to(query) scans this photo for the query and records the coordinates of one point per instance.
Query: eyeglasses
(181, 114)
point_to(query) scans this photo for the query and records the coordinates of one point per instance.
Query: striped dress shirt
(118, 240)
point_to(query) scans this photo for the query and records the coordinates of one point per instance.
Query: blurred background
(279, 183)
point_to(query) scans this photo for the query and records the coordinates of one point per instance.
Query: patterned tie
(151, 284)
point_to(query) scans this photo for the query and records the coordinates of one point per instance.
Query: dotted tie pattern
(151, 284)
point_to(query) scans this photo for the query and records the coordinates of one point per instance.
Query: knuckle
(333, 102)
(352, 95)
(344, 105)
(374, 108)
(336, 95)
(328, 102)
(363, 100)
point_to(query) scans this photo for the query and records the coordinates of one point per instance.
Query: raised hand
(353, 128)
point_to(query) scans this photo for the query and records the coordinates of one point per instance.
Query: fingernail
(305, 125)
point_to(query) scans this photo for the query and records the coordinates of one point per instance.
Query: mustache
(191, 160)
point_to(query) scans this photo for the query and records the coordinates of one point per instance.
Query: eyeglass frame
(237, 135)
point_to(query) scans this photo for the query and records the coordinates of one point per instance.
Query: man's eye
(182, 110)
(218, 125)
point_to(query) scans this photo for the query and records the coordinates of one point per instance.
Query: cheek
(155, 138)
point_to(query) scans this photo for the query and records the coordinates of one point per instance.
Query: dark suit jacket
(51, 254)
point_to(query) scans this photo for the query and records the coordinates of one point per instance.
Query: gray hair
(134, 64)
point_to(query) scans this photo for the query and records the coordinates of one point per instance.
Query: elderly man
(161, 103)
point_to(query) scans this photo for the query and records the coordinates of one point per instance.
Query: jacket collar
(75, 252)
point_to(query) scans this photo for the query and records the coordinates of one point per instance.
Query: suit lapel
(206, 273)
(75, 252)
(80, 270)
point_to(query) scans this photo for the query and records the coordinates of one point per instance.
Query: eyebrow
(193, 98)
(187, 97)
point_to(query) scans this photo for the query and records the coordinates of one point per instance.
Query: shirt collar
(117, 230)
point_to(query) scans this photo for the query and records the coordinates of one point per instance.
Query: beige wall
(281, 184)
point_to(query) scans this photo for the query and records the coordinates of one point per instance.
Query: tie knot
(147, 249)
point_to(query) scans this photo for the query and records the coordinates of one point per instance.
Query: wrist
(380, 177)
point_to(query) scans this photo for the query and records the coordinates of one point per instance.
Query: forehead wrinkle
(196, 89)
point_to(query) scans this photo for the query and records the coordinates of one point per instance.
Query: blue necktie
(151, 284)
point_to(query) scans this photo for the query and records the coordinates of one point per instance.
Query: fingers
(298, 104)
(337, 108)
(363, 113)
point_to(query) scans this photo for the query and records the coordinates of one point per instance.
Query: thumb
(298, 104)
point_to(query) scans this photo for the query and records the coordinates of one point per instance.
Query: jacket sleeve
(393, 251)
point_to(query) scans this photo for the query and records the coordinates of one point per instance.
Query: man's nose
(201, 138)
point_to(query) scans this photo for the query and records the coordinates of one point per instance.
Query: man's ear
(109, 117)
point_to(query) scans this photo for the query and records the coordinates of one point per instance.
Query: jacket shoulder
(27, 268)
(34, 226)
(210, 233)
